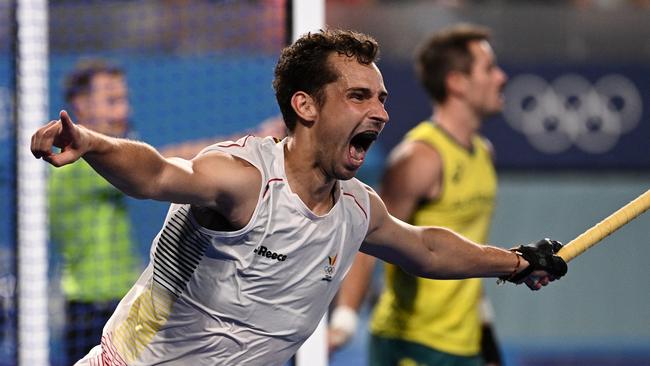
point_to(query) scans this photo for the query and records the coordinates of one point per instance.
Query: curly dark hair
(446, 51)
(303, 65)
(79, 80)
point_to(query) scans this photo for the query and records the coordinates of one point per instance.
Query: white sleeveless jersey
(246, 297)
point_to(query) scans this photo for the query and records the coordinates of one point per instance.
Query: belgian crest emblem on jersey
(329, 268)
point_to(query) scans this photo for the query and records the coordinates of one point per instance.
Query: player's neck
(459, 123)
(306, 179)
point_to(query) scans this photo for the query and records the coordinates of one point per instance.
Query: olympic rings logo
(572, 111)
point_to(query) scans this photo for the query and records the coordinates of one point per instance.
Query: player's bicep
(208, 180)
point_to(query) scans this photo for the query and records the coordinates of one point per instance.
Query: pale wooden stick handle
(602, 229)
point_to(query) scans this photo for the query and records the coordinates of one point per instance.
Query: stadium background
(200, 68)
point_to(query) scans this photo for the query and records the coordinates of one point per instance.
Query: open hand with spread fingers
(63, 134)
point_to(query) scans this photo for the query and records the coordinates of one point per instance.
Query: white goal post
(31, 218)
(306, 16)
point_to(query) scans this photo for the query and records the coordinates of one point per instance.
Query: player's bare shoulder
(235, 182)
(215, 159)
(378, 211)
(414, 168)
(416, 156)
(230, 173)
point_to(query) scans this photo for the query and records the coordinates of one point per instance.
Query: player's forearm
(132, 167)
(344, 318)
(451, 256)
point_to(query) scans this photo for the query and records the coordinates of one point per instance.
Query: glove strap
(503, 279)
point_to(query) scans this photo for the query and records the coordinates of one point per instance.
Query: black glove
(540, 256)
(489, 346)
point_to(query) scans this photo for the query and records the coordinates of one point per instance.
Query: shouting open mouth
(360, 144)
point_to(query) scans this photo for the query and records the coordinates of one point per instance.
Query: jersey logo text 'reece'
(265, 252)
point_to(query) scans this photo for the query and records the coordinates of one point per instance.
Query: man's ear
(304, 106)
(456, 82)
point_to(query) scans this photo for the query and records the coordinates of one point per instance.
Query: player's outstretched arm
(140, 171)
(436, 252)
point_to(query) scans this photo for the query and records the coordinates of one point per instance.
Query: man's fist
(541, 257)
